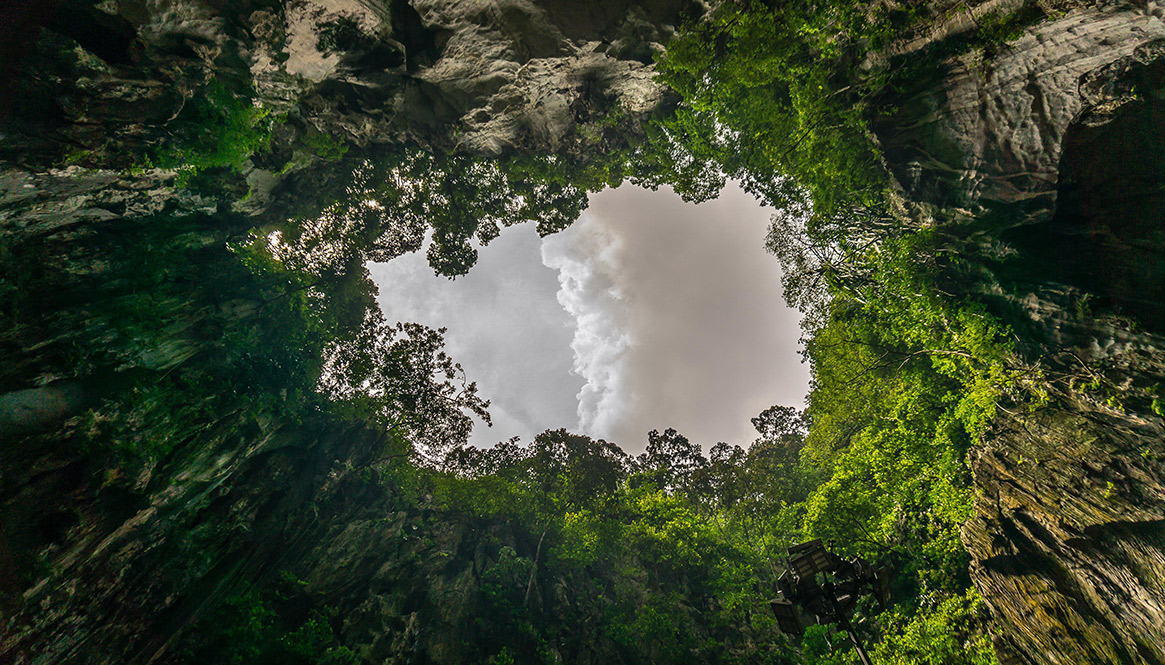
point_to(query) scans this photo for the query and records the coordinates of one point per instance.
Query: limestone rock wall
(113, 279)
(478, 75)
(988, 132)
(1045, 158)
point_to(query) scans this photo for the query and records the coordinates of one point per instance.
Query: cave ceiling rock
(483, 76)
(990, 133)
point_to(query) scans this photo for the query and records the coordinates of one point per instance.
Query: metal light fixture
(808, 559)
(830, 599)
(788, 617)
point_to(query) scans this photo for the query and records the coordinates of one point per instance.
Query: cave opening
(647, 313)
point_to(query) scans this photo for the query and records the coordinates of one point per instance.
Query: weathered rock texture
(483, 76)
(116, 287)
(1049, 158)
(991, 132)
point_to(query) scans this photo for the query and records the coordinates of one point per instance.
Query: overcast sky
(647, 313)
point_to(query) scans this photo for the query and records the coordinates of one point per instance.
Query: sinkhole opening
(647, 313)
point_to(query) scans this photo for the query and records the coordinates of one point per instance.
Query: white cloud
(679, 320)
(586, 257)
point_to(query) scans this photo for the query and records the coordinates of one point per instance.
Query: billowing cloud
(679, 316)
(587, 261)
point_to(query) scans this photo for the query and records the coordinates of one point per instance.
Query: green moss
(325, 146)
(79, 157)
(220, 128)
(997, 29)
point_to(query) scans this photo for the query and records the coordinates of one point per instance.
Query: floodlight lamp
(788, 617)
(808, 563)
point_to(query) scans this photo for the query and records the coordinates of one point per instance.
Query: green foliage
(996, 29)
(260, 627)
(668, 533)
(951, 633)
(79, 157)
(239, 627)
(502, 657)
(220, 128)
(502, 584)
(323, 328)
(822, 646)
(395, 197)
(656, 560)
(680, 149)
(325, 146)
(904, 383)
(401, 378)
(776, 100)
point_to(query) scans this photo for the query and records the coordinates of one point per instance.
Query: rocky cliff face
(479, 76)
(1044, 157)
(118, 289)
